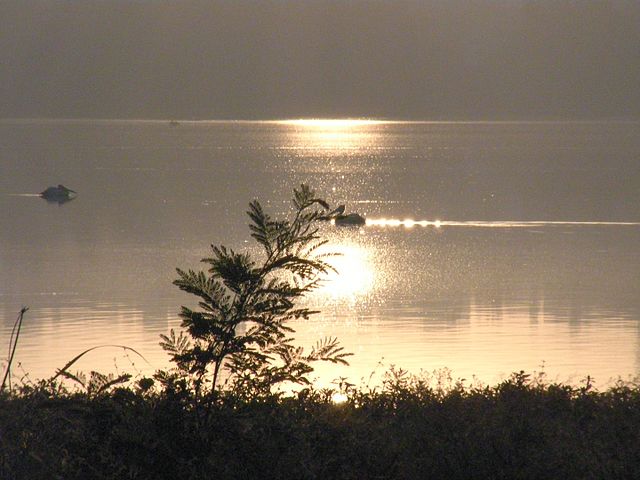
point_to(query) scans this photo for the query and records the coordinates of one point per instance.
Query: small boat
(58, 194)
(337, 217)
(352, 219)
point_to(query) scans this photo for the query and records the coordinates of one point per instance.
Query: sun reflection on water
(354, 274)
(407, 222)
(332, 135)
(331, 123)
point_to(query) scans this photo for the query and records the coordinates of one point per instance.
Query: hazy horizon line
(292, 120)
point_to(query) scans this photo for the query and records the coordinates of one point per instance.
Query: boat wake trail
(409, 223)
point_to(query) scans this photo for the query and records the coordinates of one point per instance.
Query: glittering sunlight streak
(332, 137)
(409, 223)
(332, 123)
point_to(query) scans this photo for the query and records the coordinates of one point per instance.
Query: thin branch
(16, 328)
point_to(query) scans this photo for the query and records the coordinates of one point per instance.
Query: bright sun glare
(355, 273)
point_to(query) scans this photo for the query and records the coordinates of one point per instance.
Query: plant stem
(13, 342)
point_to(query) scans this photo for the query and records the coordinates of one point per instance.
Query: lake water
(495, 286)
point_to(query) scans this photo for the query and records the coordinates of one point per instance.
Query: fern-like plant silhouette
(245, 305)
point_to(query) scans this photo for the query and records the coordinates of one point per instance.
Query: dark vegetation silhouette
(221, 411)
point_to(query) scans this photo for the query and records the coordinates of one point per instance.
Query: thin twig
(13, 343)
(63, 370)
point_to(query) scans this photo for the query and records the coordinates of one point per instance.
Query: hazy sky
(419, 59)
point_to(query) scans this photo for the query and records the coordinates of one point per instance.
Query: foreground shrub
(246, 302)
(407, 429)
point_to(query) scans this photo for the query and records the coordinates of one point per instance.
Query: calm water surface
(497, 287)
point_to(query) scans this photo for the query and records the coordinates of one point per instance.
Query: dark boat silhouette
(352, 219)
(337, 217)
(59, 194)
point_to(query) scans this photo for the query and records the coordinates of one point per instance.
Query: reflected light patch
(354, 274)
(339, 398)
(332, 136)
(407, 223)
(332, 123)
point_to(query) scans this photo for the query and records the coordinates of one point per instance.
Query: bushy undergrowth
(408, 428)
